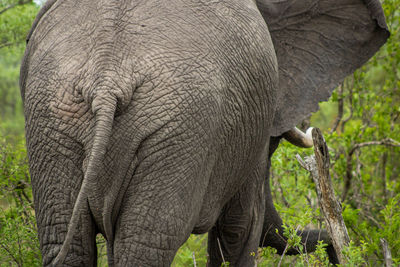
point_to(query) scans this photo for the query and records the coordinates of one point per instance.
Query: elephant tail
(103, 108)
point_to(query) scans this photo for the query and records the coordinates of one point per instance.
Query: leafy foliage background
(360, 124)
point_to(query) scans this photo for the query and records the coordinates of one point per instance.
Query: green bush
(19, 245)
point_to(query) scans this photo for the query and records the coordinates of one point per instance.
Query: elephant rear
(115, 107)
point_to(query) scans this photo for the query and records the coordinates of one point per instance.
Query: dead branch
(349, 161)
(350, 106)
(318, 165)
(383, 177)
(6, 45)
(340, 109)
(194, 259)
(220, 250)
(280, 190)
(386, 142)
(386, 253)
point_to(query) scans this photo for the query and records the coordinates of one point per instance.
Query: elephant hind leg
(56, 174)
(236, 234)
(83, 250)
(152, 224)
(161, 203)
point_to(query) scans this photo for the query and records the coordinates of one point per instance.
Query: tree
(16, 18)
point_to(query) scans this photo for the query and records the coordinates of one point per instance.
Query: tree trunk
(318, 165)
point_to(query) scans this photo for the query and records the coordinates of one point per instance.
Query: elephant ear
(318, 43)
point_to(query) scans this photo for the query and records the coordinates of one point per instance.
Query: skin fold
(147, 121)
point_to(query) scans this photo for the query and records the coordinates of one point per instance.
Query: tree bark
(318, 165)
(386, 253)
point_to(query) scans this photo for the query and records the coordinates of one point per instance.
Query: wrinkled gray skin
(150, 120)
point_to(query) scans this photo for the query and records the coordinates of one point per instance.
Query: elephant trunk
(309, 240)
(298, 138)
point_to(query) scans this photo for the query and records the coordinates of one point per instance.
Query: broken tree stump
(318, 165)
(386, 253)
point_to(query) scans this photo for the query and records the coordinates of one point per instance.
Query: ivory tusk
(298, 138)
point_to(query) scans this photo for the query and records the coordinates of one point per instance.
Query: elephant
(147, 121)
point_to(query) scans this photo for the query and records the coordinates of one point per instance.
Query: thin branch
(220, 250)
(26, 196)
(6, 45)
(9, 253)
(21, 202)
(8, 7)
(286, 247)
(383, 177)
(265, 235)
(20, 3)
(340, 109)
(283, 254)
(351, 108)
(385, 142)
(19, 250)
(285, 202)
